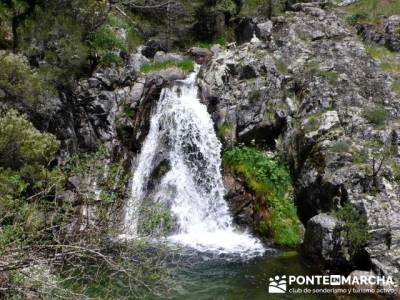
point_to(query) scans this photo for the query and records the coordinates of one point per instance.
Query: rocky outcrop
(306, 89)
(388, 36)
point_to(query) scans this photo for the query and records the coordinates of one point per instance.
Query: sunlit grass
(186, 65)
(372, 11)
(388, 59)
(396, 87)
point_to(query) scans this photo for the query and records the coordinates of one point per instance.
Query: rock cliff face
(301, 85)
(305, 86)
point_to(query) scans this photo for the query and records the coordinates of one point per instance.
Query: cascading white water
(193, 186)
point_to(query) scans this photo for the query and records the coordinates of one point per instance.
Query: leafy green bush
(23, 87)
(272, 181)
(355, 225)
(56, 44)
(26, 181)
(186, 65)
(114, 36)
(268, 7)
(21, 144)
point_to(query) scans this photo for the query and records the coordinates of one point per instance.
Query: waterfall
(182, 130)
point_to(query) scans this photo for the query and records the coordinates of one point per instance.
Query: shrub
(21, 144)
(56, 43)
(281, 66)
(110, 57)
(26, 182)
(355, 226)
(106, 39)
(111, 180)
(340, 147)
(396, 172)
(359, 157)
(376, 115)
(330, 75)
(273, 183)
(356, 17)
(23, 87)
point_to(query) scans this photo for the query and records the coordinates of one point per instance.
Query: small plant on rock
(355, 227)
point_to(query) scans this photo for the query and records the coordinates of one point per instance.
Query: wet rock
(240, 201)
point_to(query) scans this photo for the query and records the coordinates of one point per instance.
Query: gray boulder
(161, 56)
(322, 239)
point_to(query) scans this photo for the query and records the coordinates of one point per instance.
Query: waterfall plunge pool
(213, 260)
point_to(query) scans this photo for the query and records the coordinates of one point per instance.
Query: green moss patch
(272, 182)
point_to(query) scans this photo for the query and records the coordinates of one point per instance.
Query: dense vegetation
(273, 183)
(28, 182)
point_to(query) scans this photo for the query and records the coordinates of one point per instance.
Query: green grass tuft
(372, 11)
(186, 65)
(388, 59)
(340, 147)
(396, 87)
(273, 183)
(376, 115)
